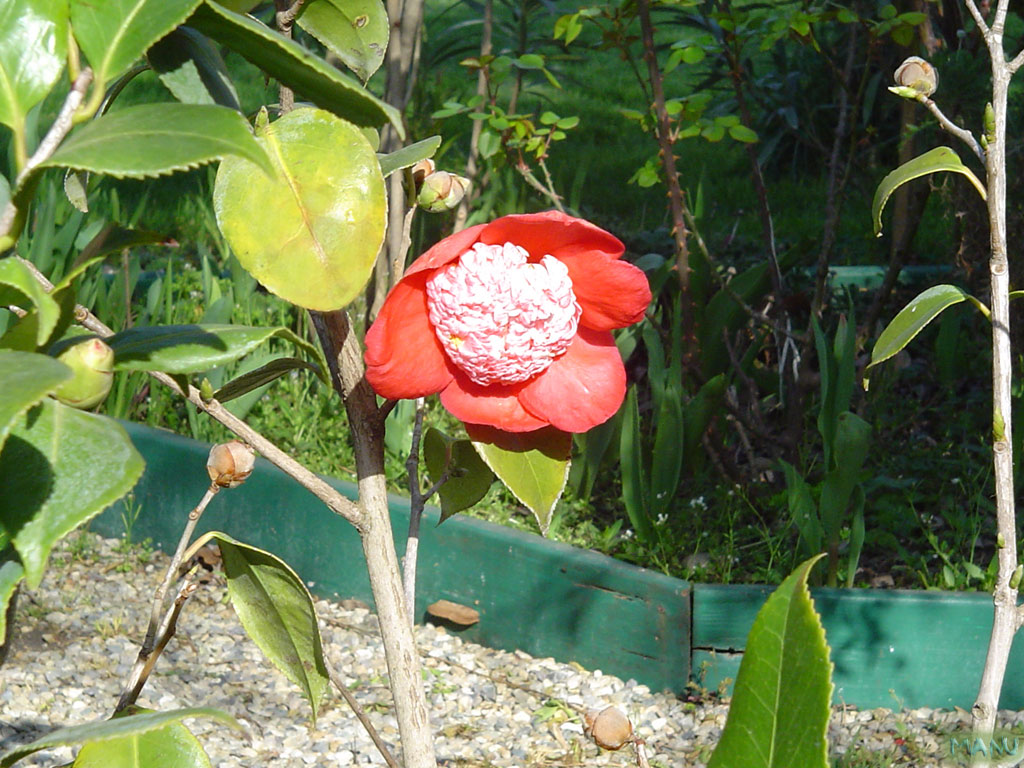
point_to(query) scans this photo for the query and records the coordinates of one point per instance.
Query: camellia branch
(159, 632)
(309, 480)
(950, 127)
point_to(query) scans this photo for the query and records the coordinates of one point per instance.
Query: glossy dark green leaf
(312, 78)
(25, 379)
(33, 45)
(468, 477)
(782, 699)
(263, 375)
(276, 610)
(912, 319)
(311, 232)
(409, 156)
(938, 159)
(192, 69)
(190, 348)
(533, 465)
(60, 468)
(114, 34)
(355, 30)
(18, 284)
(155, 139)
(170, 746)
(115, 728)
(11, 574)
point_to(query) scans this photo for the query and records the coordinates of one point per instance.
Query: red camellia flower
(511, 322)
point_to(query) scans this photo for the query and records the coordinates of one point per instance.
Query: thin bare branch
(978, 18)
(964, 135)
(360, 714)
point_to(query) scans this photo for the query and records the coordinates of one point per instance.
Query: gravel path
(76, 637)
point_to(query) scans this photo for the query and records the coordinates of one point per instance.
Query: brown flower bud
(608, 727)
(230, 463)
(92, 362)
(420, 171)
(918, 74)
(442, 191)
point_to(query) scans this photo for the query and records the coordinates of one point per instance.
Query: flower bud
(230, 463)
(420, 171)
(609, 728)
(918, 74)
(442, 191)
(92, 362)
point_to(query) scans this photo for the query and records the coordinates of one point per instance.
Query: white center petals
(501, 319)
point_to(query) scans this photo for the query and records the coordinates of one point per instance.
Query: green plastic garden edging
(891, 648)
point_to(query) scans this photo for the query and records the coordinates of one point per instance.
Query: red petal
(582, 388)
(403, 357)
(551, 233)
(612, 293)
(495, 406)
(446, 251)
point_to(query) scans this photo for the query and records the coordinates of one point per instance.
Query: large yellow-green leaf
(938, 159)
(312, 232)
(781, 702)
(112, 729)
(170, 746)
(113, 34)
(533, 465)
(60, 467)
(33, 44)
(312, 78)
(355, 30)
(154, 139)
(276, 610)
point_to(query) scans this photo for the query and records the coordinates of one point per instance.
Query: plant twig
(156, 635)
(58, 130)
(961, 133)
(360, 714)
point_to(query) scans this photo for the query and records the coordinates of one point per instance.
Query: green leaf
(60, 467)
(192, 69)
(529, 61)
(310, 233)
(469, 478)
(33, 45)
(263, 375)
(190, 348)
(938, 159)
(355, 30)
(155, 139)
(276, 610)
(698, 414)
(11, 574)
(781, 701)
(171, 746)
(634, 473)
(803, 510)
(114, 34)
(693, 54)
(743, 134)
(533, 465)
(113, 729)
(311, 77)
(408, 156)
(912, 319)
(18, 283)
(667, 459)
(25, 379)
